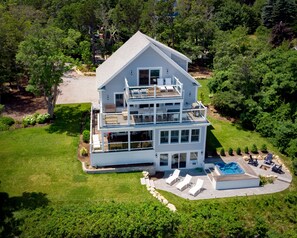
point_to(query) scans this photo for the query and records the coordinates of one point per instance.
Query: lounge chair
(277, 169)
(160, 82)
(198, 186)
(185, 183)
(168, 84)
(268, 159)
(253, 161)
(173, 177)
(96, 142)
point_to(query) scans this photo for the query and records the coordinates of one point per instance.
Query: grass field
(44, 159)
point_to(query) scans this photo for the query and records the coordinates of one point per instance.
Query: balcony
(146, 116)
(166, 88)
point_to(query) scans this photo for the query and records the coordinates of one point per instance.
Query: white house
(148, 110)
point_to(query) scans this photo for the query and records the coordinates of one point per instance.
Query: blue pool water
(230, 168)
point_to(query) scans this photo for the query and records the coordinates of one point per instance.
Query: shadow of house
(212, 143)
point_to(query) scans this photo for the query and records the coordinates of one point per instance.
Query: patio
(208, 192)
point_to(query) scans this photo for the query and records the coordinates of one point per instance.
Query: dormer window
(148, 76)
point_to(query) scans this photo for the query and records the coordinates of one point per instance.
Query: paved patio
(208, 192)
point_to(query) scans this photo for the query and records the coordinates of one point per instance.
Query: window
(195, 135)
(119, 99)
(184, 136)
(164, 137)
(148, 76)
(193, 156)
(163, 159)
(174, 136)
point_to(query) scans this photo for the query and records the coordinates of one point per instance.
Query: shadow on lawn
(9, 205)
(212, 143)
(72, 119)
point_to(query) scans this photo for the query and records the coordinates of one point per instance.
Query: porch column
(129, 140)
(155, 113)
(180, 112)
(128, 117)
(102, 140)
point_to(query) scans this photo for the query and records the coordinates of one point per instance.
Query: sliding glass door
(178, 160)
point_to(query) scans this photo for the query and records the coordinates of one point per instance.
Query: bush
(86, 136)
(42, 118)
(230, 151)
(264, 148)
(1, 108)
(29, 120)
(254, 149)
(3, 127)
(238, 151)
(83, 151)
(246, 150)
(222, 152)
(7, 121)
(266, 180)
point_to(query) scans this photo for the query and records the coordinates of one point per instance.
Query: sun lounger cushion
(96, 141)
(173, 178)
(185, 183)
(194, 190)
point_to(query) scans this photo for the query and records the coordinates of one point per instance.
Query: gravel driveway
(78, 89)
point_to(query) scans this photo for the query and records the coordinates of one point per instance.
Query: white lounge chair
(96, 142)
(160, 82)
(194, 190)
(173, 177)
(185, 183)
(168, 84)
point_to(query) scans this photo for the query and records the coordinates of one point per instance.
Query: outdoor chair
(278, 169)
(268, 159)
(185, 183)
(253, 162)
(160, 82)
(168, 84)
(198, 186)
(173, 177)
(96, 142)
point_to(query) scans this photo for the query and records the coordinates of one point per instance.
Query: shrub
(42, 118)
(266, 180)
(254, 149)
(222, 152)
(86, 136)
(1, 108)
(230, 151)
(3, 127)
(83, 151)
(238, 151)
(29, 120)
(7, 121)
(264, 148)
(246, 150)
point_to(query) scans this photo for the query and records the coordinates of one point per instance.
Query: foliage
(222, 152)
(83, 151)
(254, 149)
(35, 118)
(1, 108)
(238, 151)
(42, 118)
(4, 127)
(264, 148)
(246, 150)
(266, 180)
(86, 136)
(7, 121)
(230, 151)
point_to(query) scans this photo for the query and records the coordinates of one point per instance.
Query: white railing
(123, 146)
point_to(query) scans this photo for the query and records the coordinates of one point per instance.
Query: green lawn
(44, 159)
(203, 92)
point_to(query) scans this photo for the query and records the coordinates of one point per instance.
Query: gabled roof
(137, 44)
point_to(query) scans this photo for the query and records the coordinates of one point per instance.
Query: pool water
(230, 168)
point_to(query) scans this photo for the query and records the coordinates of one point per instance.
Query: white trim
(149, 69)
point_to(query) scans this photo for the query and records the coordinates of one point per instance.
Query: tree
(42, 55)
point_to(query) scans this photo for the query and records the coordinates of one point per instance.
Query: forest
(249, 45)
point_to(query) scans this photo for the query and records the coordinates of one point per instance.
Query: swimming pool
(229, 168)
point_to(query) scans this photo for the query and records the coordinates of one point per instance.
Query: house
(148, 111)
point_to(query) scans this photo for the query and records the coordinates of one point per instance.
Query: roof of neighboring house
(132, 48)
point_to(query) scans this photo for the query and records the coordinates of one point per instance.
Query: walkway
(208, 192)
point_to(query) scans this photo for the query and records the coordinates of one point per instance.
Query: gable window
(195, 135)
(164, 137)
(148, 76)
(174, 137)
(184, 136)
(119, 99)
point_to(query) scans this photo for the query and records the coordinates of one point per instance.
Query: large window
(184, 136)
(195, 135)
(119, 99)
(174, 137)
(163, 159)
(148, 76)
(164, 137)
(193, 158)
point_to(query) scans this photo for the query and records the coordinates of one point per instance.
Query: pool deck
(208, 192)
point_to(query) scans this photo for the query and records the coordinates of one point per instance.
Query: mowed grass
(203, 90)
(44, 159)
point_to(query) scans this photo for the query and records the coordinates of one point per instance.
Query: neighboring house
(148, 109)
